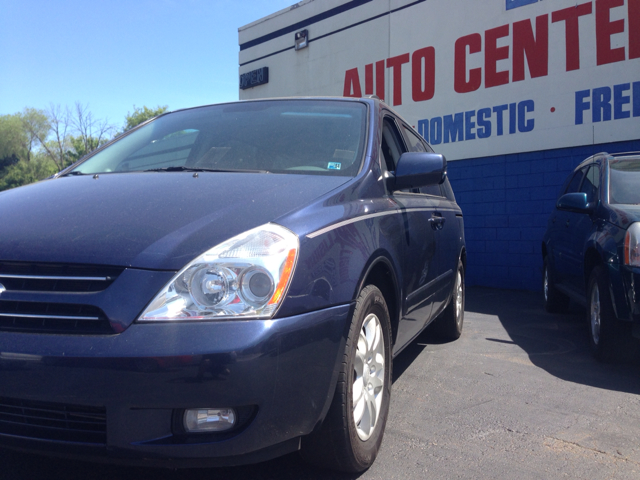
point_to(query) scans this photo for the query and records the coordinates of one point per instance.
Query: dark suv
(591, 250)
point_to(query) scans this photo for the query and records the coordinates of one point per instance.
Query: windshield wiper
(197, 169)
(74, 172)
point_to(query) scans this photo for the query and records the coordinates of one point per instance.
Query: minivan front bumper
(282, 373)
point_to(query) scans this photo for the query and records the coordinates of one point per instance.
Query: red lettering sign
(604, 29)
(572, 33)
(423, 75)
(460, 82)
(493, 53)
(536, 49)
(395, 63)
(352, 84)
(634, 28)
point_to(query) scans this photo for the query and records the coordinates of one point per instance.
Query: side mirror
(417, 169)
(574, 202)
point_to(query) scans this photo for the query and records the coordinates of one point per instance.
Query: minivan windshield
(624, 179)
(321, 137)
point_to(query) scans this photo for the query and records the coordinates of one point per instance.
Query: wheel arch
(592, 259)
(382, 273)
(463, 258)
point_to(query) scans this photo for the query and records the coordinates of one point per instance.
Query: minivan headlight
(246, 276)
(632, 245)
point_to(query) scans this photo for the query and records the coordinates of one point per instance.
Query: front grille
(53, 318)
(30, 277)
(53, 421)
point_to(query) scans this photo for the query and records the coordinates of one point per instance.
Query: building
(515, 93)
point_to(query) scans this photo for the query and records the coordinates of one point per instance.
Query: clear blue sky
(113, 54)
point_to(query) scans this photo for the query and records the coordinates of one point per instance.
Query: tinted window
(591, 183)
(574, 184)
(413, 141)
(448, 191)
(432, 190)
(172, 149)
(307, 137)
(392, 145)
(624, 179)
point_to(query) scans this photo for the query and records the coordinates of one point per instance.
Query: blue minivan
(226, 284)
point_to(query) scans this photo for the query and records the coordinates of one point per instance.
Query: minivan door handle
(437, 222)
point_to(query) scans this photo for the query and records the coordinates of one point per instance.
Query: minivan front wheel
(351, 433)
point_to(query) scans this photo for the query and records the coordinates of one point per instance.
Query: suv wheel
(609, 338)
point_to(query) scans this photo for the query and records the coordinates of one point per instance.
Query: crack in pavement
(595, 450)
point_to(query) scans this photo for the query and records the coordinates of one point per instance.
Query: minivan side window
(392, 145)
(416, 145)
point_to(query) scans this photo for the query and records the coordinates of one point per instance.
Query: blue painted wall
(506, 202)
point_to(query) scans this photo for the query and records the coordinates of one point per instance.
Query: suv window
(624, 176)
(591, 183)
(574, 184)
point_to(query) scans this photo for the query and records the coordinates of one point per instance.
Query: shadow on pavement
(18, 466)
(557, 343)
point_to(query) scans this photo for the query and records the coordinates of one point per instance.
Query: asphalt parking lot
(517, 396)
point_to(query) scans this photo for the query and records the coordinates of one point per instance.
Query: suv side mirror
(574, 202)
(417, 169)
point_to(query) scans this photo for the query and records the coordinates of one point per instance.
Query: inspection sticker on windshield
(334, 166)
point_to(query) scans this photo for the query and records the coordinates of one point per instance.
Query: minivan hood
(151, 220)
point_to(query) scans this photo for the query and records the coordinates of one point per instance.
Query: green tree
(34, 144)
(24, 172)
(57, 144)
(141, 115)
(13, 139)
(90, 133)
(73, 134)
(36, 125)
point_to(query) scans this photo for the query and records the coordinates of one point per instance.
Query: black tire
(338, 444)
(449, 324)
(554, 300)
(610, 339)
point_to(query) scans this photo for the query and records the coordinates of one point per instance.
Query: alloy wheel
(459, 297)
(369, 375)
